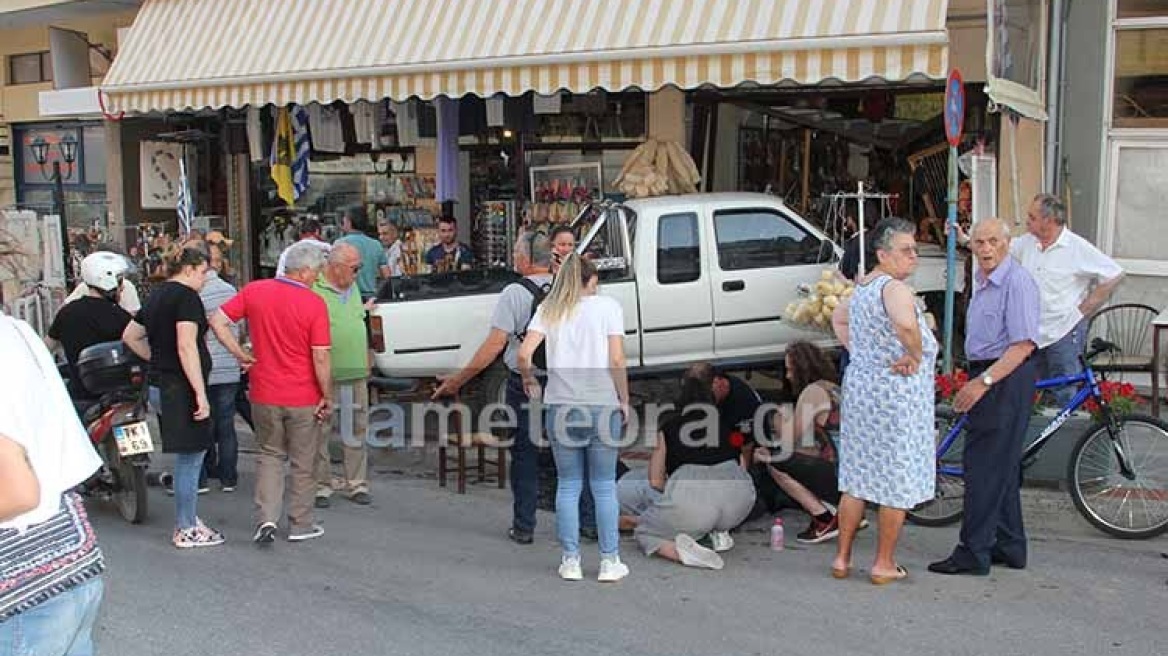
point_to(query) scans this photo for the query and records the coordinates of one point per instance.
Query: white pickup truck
(701, 277)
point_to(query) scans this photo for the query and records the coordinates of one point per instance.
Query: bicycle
(1118, 471)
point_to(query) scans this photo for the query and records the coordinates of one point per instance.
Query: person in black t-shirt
(92, 319)
(169, 332)
(695, 485)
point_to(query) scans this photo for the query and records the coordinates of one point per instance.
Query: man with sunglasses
(338, 287)
(93, 318)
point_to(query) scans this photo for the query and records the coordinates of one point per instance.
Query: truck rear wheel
(486, 398)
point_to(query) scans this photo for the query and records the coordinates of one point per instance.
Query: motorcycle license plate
(133, 439)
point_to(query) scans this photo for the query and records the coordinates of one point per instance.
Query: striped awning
(184, 54)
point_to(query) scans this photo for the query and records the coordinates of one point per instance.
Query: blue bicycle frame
(1090, 390)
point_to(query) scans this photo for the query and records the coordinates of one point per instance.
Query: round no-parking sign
(954, 107)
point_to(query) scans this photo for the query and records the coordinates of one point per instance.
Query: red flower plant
(948, 385)
(1121, 397)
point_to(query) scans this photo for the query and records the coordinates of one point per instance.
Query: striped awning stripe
(183, 54)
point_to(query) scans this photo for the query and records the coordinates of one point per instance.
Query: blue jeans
(188, 467)
(1062, 359)
(583, 440)
(525, 464)
(61, 626)
(223, 456)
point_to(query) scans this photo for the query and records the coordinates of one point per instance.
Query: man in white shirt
(309, 232)
(387, 234)
(1074, 278)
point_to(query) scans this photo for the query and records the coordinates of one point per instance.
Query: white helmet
(103, 270)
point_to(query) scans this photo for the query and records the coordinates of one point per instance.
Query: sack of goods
(658, 168)
(815, 310)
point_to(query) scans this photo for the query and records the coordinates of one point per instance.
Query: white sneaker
(695, 555)
(612, 570)
(570, 569)
(315, 532)
(721, 540)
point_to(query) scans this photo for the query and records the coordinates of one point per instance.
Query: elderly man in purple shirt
(1001, 334)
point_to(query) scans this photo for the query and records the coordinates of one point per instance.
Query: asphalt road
(426, 571)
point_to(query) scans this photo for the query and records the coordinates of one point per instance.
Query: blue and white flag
(303, 149)
(185, 206)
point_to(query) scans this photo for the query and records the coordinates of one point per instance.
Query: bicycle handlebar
(1100, 346)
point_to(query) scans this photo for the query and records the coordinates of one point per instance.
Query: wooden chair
(461, 442)
(1128, 326)
(457, 462)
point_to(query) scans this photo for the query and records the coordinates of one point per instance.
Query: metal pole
(860, 201)
(950, 261)
(59, 209)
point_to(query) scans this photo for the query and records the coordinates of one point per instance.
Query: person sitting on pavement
(804, 467)
(695, 485)
(449, 254)
(94, 318)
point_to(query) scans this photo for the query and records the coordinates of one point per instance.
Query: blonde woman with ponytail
(586, 403)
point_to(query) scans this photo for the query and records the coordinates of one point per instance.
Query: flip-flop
(838, 573)
(885, 579)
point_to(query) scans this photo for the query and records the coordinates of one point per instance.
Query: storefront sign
(954, 107)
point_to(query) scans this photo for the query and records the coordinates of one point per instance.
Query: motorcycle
(116, 425)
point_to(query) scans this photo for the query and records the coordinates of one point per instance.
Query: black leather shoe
(950, 566)
(519, 537)
(998, 559)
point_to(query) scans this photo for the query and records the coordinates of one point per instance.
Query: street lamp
(40, 153)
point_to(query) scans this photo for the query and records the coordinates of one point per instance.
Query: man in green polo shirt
(350, 368)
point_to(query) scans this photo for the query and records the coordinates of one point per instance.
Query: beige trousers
(292, 435)
(350, 425)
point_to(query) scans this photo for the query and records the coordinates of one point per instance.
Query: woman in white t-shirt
(586, 403)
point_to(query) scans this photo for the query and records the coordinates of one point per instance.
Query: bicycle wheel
(948, 502)
(1133, 508)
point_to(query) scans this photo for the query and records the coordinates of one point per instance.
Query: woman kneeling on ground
(695, 485)
(808, 472)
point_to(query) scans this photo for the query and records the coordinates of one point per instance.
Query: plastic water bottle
(777, 541)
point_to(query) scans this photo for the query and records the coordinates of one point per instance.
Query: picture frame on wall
(158, 168)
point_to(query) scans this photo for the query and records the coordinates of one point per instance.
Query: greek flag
(185, 206)
(303, 149)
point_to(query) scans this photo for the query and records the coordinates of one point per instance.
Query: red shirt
(286, 320)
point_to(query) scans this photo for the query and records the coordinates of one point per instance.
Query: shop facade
(1115, 154)
(545, 116)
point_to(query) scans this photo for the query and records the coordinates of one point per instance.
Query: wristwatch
(987, 380)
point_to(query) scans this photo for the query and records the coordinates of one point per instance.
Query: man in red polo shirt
(291, 381)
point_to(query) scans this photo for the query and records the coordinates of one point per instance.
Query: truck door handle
(733, 286)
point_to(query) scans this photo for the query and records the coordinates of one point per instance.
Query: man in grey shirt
(508, 323)
(222, 384)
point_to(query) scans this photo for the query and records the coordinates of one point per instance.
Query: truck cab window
(762, 239)
(678, 256)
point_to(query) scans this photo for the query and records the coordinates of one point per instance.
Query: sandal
(885, 579)
(838, 573)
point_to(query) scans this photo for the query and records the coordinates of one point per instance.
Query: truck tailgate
(424, 338)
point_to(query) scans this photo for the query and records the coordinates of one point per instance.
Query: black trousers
(994, 439)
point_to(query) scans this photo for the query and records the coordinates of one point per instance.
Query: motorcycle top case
(110, 367)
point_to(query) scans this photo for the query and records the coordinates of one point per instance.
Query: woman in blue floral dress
(886, 432)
